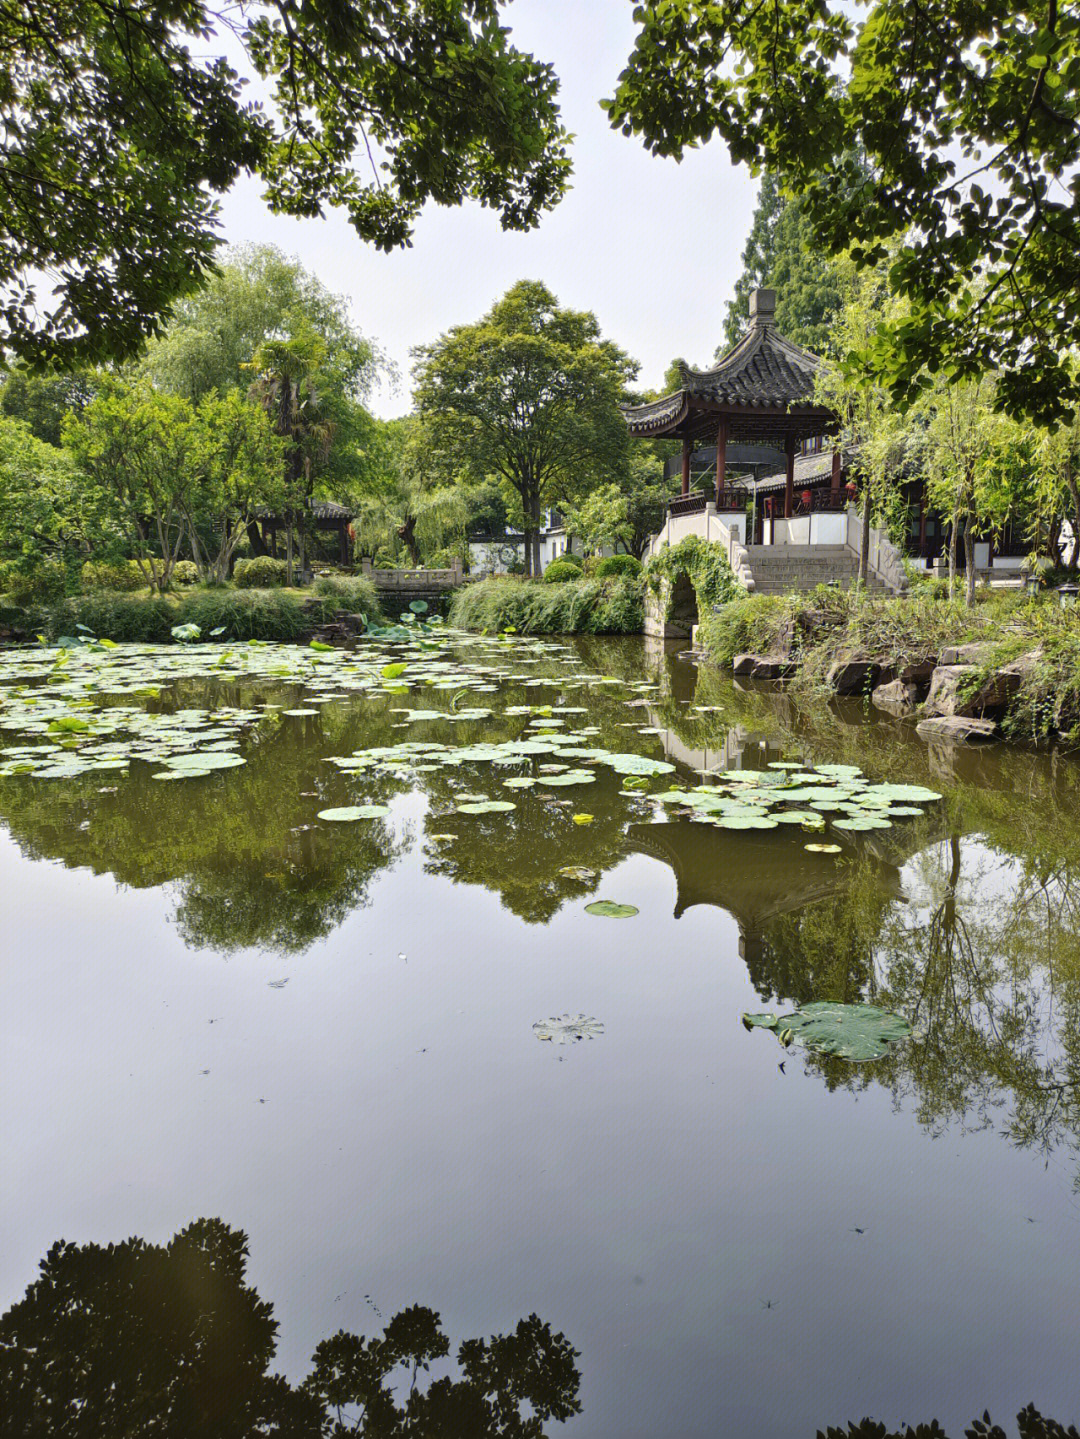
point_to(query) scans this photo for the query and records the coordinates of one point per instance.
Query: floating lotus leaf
(487, 806)
(800, 816)
(824, 848)
(300, 714)
(839, 771)
(860, 824)
(913, 792)
(581, 818)
(574, 776)
(578, 872)
(205, 760)
(857, 1032)
(347, 813)
(391, 672)
(418, 607)
(520, 781)
(608, 909)
(184, 633)
(565, 1028)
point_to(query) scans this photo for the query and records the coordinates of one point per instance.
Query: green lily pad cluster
(812, 797)
(857, 1032)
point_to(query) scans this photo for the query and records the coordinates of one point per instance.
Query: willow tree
(529, 394)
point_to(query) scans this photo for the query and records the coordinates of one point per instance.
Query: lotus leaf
(824, 848)
(487, 806)
(578, 872)
(608, 909)
(582, 818)
(856, 1032)
(350, 812)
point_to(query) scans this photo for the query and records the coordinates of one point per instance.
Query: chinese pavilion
(760, 394)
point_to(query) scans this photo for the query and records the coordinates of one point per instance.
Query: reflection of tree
(135, 1340)
(1029, 1422)
(984, 960)
(237, 846)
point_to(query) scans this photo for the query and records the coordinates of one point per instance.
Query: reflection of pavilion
(759, 875)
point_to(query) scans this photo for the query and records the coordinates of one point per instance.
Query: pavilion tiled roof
(320, 509)
(763, 371)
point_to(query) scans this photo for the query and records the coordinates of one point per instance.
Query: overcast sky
(652, 247)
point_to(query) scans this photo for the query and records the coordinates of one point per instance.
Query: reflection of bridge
(759, 875)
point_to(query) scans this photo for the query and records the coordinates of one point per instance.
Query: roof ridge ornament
(762, 308)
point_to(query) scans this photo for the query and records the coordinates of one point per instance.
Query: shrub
(707, 566)
(185, 572)
(106, 575)
(617, 565)
(44, 583)
(612, 606)
(261, 573)
(244, 614)
(561, 570)
(126, 618)
(354, 594)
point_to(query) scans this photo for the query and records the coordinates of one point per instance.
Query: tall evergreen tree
(781, 255)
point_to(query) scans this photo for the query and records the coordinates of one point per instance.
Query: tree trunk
(288, 552)
(1074, 491)
(407, 535)
(255, 539)
(535, 517)
(954, 530)
(864, 557)
(969, 562)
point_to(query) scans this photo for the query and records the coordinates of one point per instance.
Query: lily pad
(350, 812)
(578, 872)
(857, 1032)
(487, 806)
(608, 909)
(824, 848)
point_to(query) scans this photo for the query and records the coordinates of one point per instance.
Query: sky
(652, 247)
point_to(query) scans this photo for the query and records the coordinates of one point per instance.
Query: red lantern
(806, 497)
(850, 487)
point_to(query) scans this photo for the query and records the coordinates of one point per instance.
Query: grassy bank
(237, 614)
(589, 606)
(906, 635)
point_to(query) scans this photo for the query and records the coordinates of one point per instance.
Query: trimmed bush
(121, 575)
(560, 571)
(185, 572)
(261, 573)
(353, 594)
(598, 607)
(617, 565)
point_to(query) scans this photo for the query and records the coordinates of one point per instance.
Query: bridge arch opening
(683, 605)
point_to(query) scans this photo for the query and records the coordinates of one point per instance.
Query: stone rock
(919, 671)
(761, 667)
(964, 729)
(896, 697)
(976, 653)
(952, 693)
(853, 674)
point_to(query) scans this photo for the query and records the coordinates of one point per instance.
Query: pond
(431, 980)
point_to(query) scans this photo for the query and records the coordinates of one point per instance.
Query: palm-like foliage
(286, 386)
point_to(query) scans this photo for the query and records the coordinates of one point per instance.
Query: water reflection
(139, 1339)
(965, 920)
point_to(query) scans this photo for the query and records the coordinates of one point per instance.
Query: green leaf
(608, 909)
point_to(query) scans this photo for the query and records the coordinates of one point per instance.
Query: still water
(214, 1003)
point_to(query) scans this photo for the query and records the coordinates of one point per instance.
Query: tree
(44, 513)
(287, 387)
(43, 401)
(134, 445)
(530, 393)
(124, 119)
(239, 465)
(967, 118)
(257, 294)
(419, 506)
(627, 512)
(782, 254)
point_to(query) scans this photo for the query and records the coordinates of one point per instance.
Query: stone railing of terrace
(833, 533)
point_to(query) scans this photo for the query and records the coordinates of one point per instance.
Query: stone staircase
(777, 569)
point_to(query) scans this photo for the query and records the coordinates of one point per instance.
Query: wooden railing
(731, 498)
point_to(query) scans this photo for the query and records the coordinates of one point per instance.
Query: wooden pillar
(789, 483)
(686, 467)
(837, 465)
(721, 460)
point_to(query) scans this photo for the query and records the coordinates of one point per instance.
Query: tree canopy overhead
(123, 119)
(967, 116)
